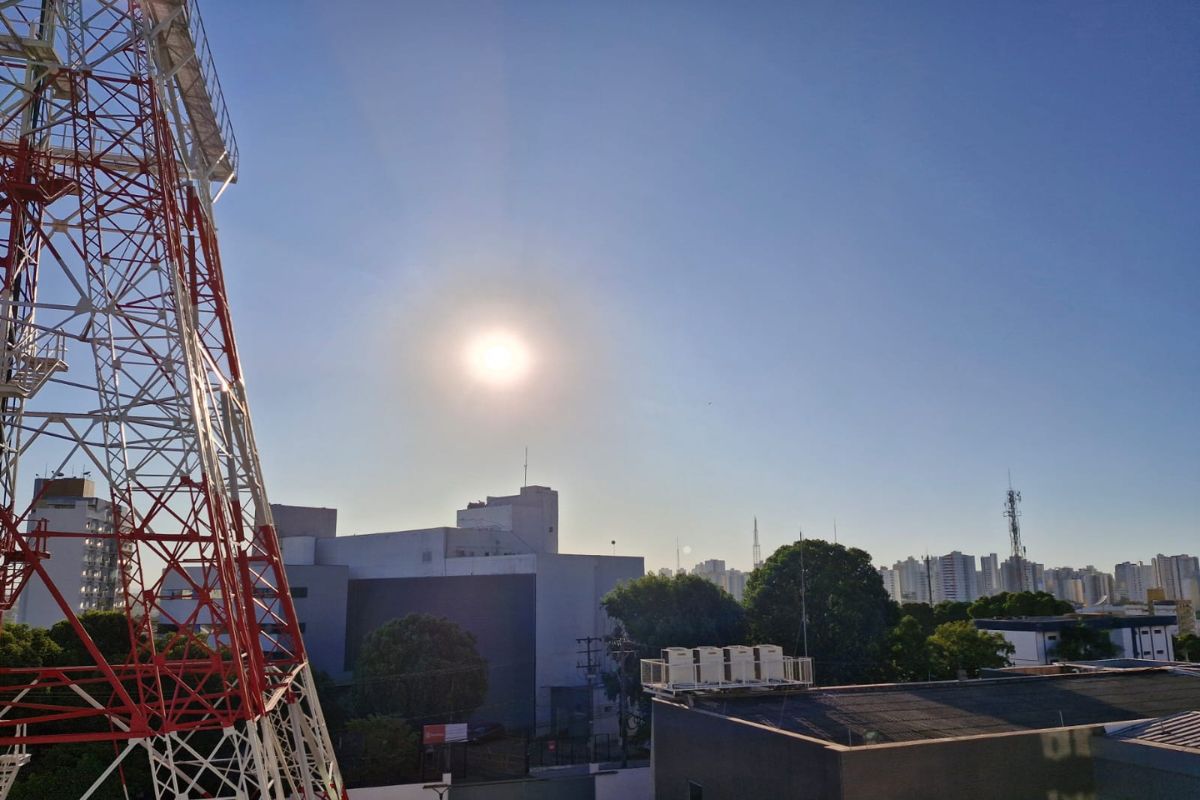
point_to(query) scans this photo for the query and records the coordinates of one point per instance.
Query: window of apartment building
(299, 591)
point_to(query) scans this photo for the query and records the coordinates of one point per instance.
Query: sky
(805, 261)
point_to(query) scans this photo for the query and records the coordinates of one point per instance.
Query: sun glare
(498, 359)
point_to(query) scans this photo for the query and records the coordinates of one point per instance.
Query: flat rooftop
(876, 714)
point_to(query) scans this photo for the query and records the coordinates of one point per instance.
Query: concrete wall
(569, 590)
(625, 784)
(387, 555)
(497, 609)
(1134, 771)
(733, 760)
(322, 613)
(532, 515)
(403, 791)
(1033, 765)
(320, 523)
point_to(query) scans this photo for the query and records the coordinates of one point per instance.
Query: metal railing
(212, 84)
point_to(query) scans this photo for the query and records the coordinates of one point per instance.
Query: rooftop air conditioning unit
(680, 665)
(739, 664)
(770, 662)
(710, 664)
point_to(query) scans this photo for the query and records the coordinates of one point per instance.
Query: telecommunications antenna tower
(117, 349)
(757, 547)
(1013, 514)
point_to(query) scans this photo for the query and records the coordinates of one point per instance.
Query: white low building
(527, 605)
(1036, 639)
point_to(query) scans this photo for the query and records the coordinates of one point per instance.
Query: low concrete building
(504, 582)
(1005, 739)
(1036, 639)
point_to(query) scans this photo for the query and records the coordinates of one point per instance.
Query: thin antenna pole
(757, 547)
(676, 555)
(928, 579)
(803, 596)
(525, 482)
(835, 530)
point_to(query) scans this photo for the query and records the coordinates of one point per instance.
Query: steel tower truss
(116, 349)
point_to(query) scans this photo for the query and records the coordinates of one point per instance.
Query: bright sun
(497, 358)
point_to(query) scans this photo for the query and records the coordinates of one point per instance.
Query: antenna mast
(1013, 514)
(757, 546)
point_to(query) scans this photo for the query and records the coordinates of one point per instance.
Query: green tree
(422, 668)
(922, 613)
(333, 700)
(108, 629)
(680, 611)
(378, 751)
(1009, 605)
(26, 646)
(909, 651)
(960, 645)
(656, 612)
(950, 611)
(1187, 647)
(1084, 643)
(849, 611)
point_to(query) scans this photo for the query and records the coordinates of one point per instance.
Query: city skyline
(829, 274)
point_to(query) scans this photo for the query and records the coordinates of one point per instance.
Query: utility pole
(590, 665)
(929, 580)
(621, 648)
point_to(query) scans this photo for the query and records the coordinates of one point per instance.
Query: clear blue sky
(804, 261)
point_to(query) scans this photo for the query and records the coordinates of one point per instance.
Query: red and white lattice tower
(116, 349)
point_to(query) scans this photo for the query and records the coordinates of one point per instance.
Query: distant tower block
(118, 350)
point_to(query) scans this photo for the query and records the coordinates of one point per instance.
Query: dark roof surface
(907, 712)
(1178, 730)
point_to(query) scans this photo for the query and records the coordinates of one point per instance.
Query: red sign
(441, 734)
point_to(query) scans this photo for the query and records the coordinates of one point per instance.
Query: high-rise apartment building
(1022, 575)
(891, 582)
(990, 581)
(913, 579)
(1178, 576)
(729, 579)
(83, 568)
(955, 578)
(1133, 580)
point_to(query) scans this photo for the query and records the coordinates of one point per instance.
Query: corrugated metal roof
(1179, 730)
(907, 712)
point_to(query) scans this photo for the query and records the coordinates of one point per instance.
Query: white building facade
(82, 566)
(526, 607)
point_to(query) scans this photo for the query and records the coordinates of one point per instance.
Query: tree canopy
(849, 611)
(908, 651)
(420, 667)
(960, 645)
(680, 611)
(1084, 643)
(378, 751)
(1187, 647)
(1019, 604)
